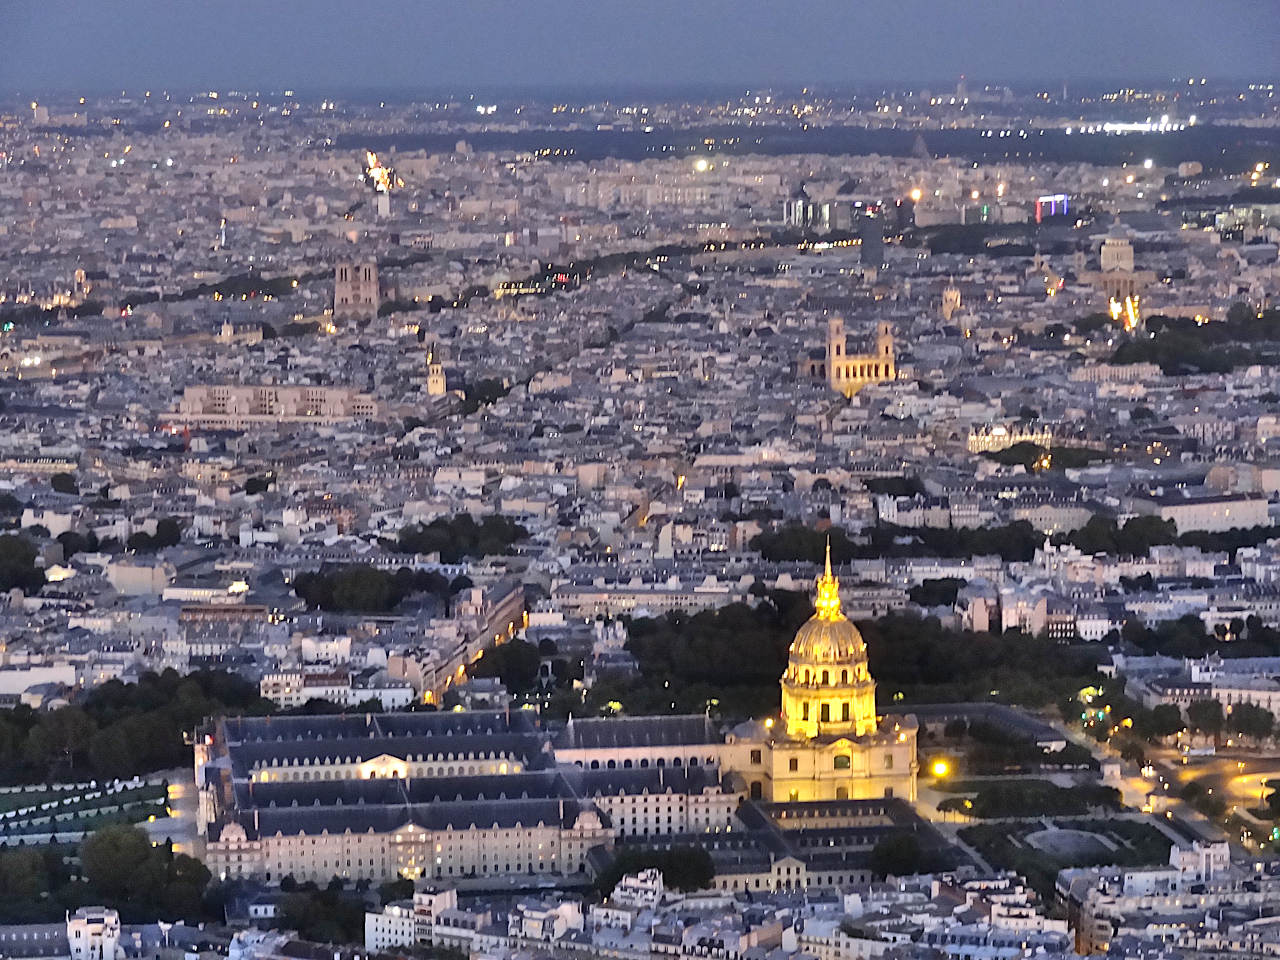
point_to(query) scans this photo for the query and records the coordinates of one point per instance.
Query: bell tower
(435, 373)
(836, 359)
(885, 352)
(950, 301)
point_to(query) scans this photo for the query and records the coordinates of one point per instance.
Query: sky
(328, 47)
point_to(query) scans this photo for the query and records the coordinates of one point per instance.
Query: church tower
(435, 373)
(950, 301)
(886, 368)
(836, 354)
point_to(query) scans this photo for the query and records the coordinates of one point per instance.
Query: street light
(940, 768)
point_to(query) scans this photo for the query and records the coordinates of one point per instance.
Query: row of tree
(1181, 345)
(119, 730)
(457, 538)
(731, 659)
(1033, 798)
(361, 588)
(1016, 541)
(118, 868)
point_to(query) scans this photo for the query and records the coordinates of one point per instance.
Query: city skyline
(335, 49)
(755, 481)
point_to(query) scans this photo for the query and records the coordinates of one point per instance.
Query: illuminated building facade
(832, 745)
(236, 406)
(847, 372)
(355, 289)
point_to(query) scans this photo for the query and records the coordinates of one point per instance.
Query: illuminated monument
(831, 745)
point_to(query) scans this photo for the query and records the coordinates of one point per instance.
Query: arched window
(626, 764)
(612, 764)
(844, 676)
(844, 710)
(843, 761)
(824, 713)
(826, 677)
(804, 711)
(595, 764)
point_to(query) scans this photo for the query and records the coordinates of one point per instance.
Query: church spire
(828, 602)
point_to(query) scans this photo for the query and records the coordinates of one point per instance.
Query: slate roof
(387, 818)
(622, 732)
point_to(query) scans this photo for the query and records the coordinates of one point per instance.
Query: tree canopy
(459, 537)
(119, 730)
(18, 564)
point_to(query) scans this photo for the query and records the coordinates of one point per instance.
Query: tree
(898, 855)
(457, 538)
(23, 874)
(73, 543)
(936, 593)
(955, 729)
(683, 868)
(1205, 716)
(18, 565)
(120, 863)
(1251, 720)
(398, 889)
(515, 663)
(1240, 313)
(64, 483)
(1164, 721)
(1132, 752)
(59, 737)
(168, 533)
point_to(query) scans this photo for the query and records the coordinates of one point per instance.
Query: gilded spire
(828, 602)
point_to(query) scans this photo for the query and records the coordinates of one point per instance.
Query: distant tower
(836, 354)
(355, 289)
(950, 301)
(39, 114)
(384, 205)
(885, 352)
(1116, 254)
(871, 233)
(435, 373)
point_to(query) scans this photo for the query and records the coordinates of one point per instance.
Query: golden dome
(827, 689)
(828, 636)
(828, 641)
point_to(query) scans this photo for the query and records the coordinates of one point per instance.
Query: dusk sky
(327, 46)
